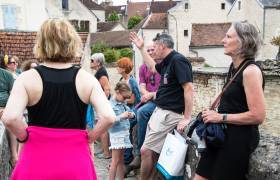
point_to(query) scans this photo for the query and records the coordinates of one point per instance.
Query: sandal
(102, 156)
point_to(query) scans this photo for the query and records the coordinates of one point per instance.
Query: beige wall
(214, 57)
(76, 11)
(118, 27)
(100, 14)
(202, 11)
(265, 20)
(30, 14)
(272, 27)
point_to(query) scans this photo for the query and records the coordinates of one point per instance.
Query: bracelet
(24, 140)
(224, 118)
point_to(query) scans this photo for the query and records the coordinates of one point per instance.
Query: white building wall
(77, 11)
(30, 14)
(214, 57)
(199, 11)
(118, 27)
(265, 20)
(271, 28)
(100, 14)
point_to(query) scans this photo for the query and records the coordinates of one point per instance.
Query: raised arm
(139, 43)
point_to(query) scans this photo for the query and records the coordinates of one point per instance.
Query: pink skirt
(55, 154)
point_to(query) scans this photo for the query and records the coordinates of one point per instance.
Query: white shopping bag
(172, 157)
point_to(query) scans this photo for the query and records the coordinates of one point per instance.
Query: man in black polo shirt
(174, 98)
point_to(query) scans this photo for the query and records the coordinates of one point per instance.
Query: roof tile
(208, 34)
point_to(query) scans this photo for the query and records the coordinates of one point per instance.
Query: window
(186, 5)
(65, 5)
(223, 6)
(9, 16)
(239, 5)
(186, 33)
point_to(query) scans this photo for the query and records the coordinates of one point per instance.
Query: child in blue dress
(119, 132)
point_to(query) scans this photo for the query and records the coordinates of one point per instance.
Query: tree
(113, 17)
(99, 47)
(125, 52)
(133, 21)
(276, 41)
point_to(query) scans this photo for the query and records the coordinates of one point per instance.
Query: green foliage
(133, 21)
(99, 47)
(113, 17)
(110, 55)
(275, 40)
(125, 52)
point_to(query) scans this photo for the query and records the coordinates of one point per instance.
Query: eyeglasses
(13, 62)
(126, 97)
(150, 50)
(92, 61)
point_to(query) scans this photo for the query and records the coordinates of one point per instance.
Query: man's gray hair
(249, 38)
(166, 39)
(99, 57)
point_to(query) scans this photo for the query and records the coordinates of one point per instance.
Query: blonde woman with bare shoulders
(56, 95)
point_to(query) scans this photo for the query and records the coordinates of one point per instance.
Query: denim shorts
(120, 140)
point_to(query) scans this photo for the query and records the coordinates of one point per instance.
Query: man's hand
(139, 42)
(146, 97)
(182, 124)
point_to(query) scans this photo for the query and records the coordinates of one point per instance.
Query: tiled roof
(21, 44)
(161, 6)
(117, 9)
(137, 8)
(106, 26)
(115, 39)
(156, 21)
(92, 5)
(208, 34)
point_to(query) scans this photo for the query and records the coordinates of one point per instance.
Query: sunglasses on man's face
(92, 61)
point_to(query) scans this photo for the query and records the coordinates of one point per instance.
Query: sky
(121, 2)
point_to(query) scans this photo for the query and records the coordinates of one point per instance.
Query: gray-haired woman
(97, 63)
(241, 108)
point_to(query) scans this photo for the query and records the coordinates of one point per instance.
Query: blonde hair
(57, 41)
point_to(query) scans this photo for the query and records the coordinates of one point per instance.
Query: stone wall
(4, 154)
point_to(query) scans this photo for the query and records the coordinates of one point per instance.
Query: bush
(99, 47)
(113, 17)
(125, 52)
(110, 55)
(133, 21)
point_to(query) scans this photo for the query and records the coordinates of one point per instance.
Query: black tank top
(234, 98)
(60, 106)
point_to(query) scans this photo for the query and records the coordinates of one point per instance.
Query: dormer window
(186, 5)
(65, 5)
(223, 6)
(239, 5)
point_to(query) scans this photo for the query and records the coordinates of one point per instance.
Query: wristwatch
(224, 118)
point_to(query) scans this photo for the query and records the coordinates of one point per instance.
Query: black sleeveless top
(234, 100)
(60, 106)
(101, 72)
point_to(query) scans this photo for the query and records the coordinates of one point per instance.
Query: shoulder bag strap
(216, 103)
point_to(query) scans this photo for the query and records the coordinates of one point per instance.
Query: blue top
(135, 90)
(120, 124)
